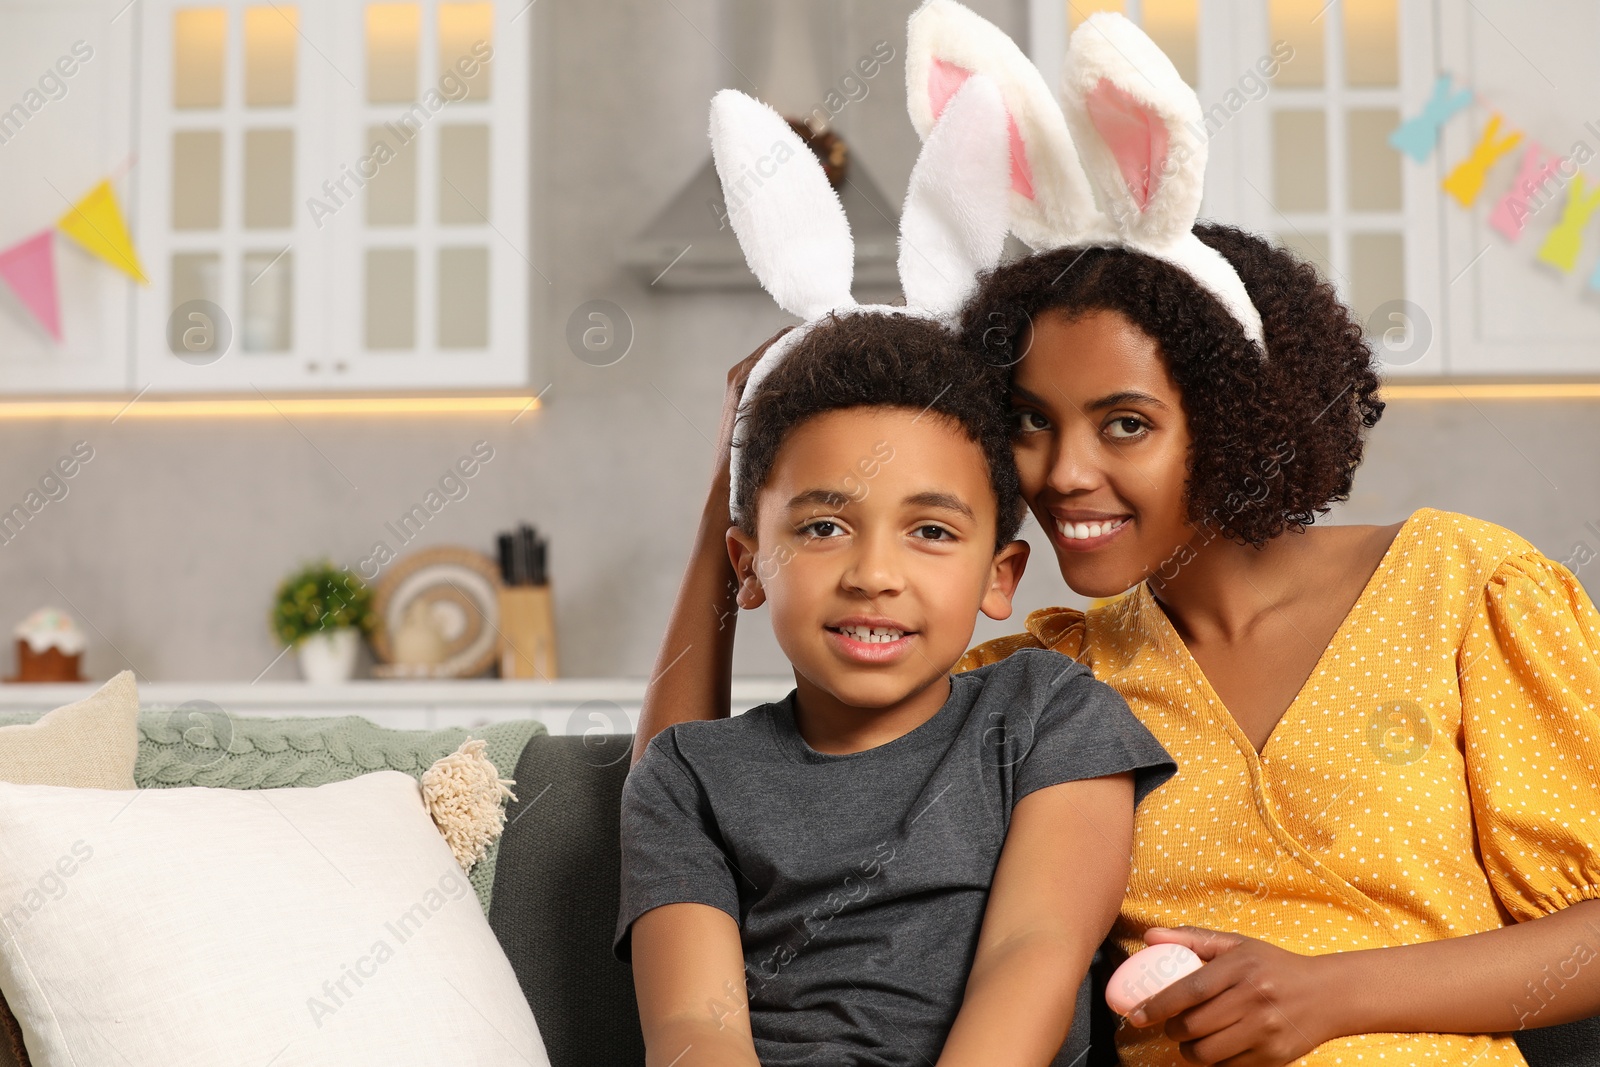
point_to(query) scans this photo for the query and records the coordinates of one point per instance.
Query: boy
(892, 866)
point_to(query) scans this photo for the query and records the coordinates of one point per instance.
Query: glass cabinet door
(340, 190)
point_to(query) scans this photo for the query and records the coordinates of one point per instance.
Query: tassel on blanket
(466, 796)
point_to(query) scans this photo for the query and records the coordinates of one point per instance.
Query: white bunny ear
(1140, 131)
(787, 217)
(1138, 128)
(956, 212)
(1051, 203)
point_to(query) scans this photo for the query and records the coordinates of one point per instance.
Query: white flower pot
(329, 656)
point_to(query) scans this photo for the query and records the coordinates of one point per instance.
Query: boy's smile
(871, 639)
(875, 550)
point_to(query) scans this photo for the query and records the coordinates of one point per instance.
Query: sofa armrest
(556, 892)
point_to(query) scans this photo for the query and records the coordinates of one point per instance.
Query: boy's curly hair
(1275, 442)
(881, 361)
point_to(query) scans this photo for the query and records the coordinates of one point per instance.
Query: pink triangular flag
(29, 267)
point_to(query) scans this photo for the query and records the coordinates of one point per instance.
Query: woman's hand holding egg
(1251, 1005)
(1146, 973)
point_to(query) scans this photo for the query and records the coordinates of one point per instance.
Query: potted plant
(322, 613)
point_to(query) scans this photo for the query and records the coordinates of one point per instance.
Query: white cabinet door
(65, 123)
(1316, 170)
(224, 153)
(359, 220)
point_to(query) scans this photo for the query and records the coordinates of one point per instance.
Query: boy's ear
(742, 554)
(1004, 574)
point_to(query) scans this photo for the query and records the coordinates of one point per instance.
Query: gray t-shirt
(859, 881)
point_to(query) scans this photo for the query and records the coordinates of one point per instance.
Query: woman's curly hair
(881, 361)
(1275, 442)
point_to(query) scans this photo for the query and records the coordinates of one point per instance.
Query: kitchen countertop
(568, 705)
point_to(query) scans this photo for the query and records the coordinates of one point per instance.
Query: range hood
(713, 260)
(774, 45)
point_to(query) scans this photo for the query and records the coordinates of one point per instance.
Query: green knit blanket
(203, 746)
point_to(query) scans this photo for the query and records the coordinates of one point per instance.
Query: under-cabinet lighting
(1492, 391)
(142, 408)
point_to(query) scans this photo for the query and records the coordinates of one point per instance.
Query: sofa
(552, 898)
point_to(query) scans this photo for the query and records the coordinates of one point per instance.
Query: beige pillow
(88, 745)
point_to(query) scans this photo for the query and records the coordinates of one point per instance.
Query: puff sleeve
(1529, 668)
(1058, 629)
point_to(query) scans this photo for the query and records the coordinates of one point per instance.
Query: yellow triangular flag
(95, 222)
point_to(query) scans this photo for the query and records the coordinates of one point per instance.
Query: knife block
(527, 632)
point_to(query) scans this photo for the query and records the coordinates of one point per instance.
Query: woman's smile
(1087, 534)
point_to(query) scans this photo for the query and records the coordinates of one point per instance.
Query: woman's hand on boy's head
(738, 374)
(1252, 1004)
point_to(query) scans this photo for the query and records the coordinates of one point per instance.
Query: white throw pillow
(281, 927)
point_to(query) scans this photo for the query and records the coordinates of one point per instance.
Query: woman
(1388, 748)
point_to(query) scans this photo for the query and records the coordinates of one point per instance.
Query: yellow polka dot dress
(1438, 774)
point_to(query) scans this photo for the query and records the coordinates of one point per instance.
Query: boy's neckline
(936, 726)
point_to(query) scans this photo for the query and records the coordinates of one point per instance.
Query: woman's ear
(1004, 574)
(742, 554)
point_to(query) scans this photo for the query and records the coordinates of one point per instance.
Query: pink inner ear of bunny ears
(1137, 138)
(944, 81)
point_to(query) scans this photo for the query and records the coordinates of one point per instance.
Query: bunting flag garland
(1561, 248)
(1418, 137)
(1543, 177)
(1538, 168)
(29, 268)
(96, 224)
(1466, 181)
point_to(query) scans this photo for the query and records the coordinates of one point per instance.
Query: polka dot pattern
(1438, 774)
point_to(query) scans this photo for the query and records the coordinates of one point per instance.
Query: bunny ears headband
(1120, 162)
(796, 239)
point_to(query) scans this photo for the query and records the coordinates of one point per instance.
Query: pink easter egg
(1146, 973)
